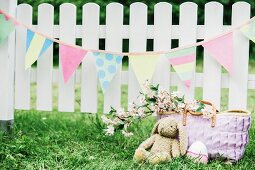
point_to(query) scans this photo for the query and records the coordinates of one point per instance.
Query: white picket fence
(162, 32)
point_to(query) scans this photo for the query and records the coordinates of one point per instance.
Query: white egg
(198, 152)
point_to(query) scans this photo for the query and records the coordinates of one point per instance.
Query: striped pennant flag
(183, 62)
(107, 66)
(143, 66)
(36, 45)
(249, 30)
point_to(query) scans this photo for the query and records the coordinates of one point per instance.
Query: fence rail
(137, 32)
(173, 76)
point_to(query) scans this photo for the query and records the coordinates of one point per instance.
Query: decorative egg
(198, 152)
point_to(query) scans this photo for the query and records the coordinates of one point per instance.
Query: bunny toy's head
(166, 127)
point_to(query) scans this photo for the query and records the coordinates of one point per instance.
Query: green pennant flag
(6, 27)
(249, 30)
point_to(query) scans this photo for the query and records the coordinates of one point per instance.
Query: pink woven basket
(225, 136)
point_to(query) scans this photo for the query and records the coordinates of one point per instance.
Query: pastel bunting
(71, 58)
(143, 66)
(221, 49)
(36, 45)
(6, 27)
(183, 62)
(249, 30)
(107, 66)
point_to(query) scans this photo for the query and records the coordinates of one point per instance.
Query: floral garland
(153, 100)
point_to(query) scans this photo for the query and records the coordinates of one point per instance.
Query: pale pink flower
(146, 86)
(150, 94)
(161, 105)
(140, 112)
(192, 105)
(110, 130)
(207, 112)
(181, 105)
(106, 120)
(177, 94)
(142, 99)
(120, 112)
(131, 106)
(163, 94)
(152, 107)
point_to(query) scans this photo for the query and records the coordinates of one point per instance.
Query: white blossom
(177, 94)
(181, 105)
(142, 99)
(120, 112)
(140, 112)
(127, 134)
(192, 105)
(110, 130)
(106, 120)
(150, 94)
(207, 112)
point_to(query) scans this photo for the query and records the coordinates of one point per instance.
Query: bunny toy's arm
(175, 148)
(148, 142)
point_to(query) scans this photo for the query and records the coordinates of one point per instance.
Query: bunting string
(129, 53)
(143, 63)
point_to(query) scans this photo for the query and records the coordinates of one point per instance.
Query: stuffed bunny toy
(168, 140)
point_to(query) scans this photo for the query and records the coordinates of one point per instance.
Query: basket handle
(185, 114)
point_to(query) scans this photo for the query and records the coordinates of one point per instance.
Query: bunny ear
(183, 139)
(155, 128)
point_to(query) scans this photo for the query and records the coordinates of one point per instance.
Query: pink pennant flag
(221, 49)
(70, 57)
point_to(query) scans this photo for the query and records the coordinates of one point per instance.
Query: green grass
(54, 140)
(70, 141)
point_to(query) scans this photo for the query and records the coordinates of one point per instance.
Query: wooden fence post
(7, 58)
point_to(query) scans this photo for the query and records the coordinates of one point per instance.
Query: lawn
(54, 140)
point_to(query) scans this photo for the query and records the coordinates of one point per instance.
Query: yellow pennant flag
(143, 66)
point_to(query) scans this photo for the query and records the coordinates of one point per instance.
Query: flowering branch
(152, 100)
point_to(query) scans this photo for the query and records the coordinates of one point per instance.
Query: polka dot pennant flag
(107, 66)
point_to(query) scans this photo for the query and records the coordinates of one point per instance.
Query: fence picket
(90, 39)
(7, 65)
(188, 22)
(67, 23)
(212, 69)
(162, 32)
(239, 79)
(162, 42)
(137, 43)
(113, 42)
(45, 63)
(22, 76)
